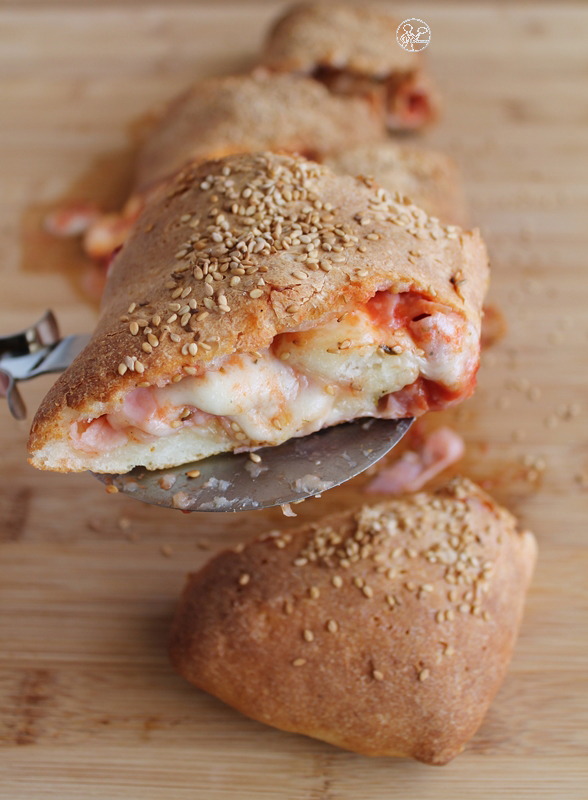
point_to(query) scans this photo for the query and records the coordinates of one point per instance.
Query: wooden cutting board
(89, 705)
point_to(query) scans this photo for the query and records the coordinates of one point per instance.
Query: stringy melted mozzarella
(305, 381)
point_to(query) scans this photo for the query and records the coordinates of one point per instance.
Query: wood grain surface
(89, 706)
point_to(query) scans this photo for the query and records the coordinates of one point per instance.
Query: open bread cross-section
(261, 297)
(354, 50)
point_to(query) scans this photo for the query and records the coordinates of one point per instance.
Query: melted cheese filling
(348, 368)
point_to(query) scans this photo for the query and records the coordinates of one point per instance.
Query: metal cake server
(289, 473)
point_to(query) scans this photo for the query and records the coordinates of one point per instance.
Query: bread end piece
(366, 629)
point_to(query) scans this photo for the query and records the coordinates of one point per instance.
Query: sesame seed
(192, 348)
(122, 368)
(292, 308)
(193, 473)
(368, 591)
(337, 581)
(139, 367)
(314, 592)
(131, 308)
(255, 458)
(244, 579)
(377, 675)
(390, 600)
(176, 423)
(423, 675)
(299, 662)
(134, 328)
(308, 635)
(202, 315)
(255, 293)
(111, 489)
(332, 626)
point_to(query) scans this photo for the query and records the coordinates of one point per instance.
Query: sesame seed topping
(337, 581)
(377, 675)
(308, 635)
(134, 328)
(193, 473)
(299, 662)
(244, 579)
(314, 592)
(332, 626)
(111, 489)
(423, 675)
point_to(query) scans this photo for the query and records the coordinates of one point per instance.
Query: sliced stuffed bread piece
(258, 298)
(248, 113)
(353, 50)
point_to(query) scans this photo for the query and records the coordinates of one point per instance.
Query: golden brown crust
(430, 179)
(357, 38)
(365, 241)
(252, 113)
(385, 631)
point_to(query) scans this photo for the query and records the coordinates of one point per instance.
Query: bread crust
(429, 178)
(359, 39)
(317, 647)
(252, 113)
(382, 244)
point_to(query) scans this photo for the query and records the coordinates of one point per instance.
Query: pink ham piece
(73, 219)
(415, 468)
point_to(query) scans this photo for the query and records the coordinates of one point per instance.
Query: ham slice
(415, 468)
